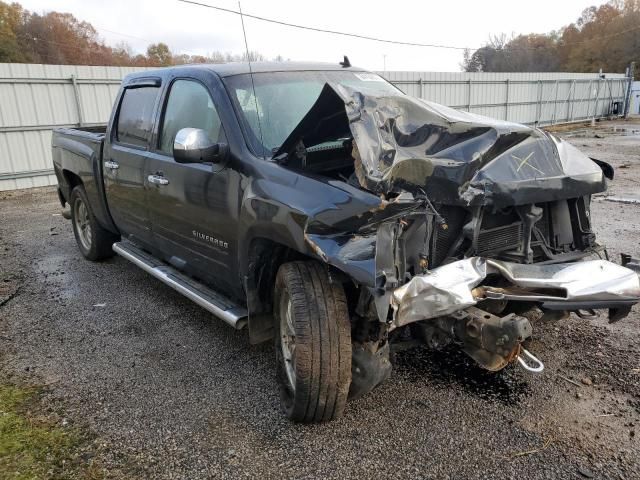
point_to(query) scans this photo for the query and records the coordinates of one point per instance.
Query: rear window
(135, 117)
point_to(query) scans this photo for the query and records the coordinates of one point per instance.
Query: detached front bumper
(442, 302)
(593, 284)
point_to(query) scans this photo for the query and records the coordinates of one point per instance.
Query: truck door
(124, 158)
(193, 207)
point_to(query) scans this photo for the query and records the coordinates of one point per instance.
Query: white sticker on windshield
(369, 77)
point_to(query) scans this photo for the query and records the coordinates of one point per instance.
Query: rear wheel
(93, 241)
(313, 343)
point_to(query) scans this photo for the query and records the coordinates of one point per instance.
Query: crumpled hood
(456, 158)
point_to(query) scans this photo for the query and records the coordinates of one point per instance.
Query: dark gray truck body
(383, 189)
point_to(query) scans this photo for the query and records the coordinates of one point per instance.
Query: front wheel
(93, 241)
(313, 342)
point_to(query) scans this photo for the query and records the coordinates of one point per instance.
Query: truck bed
(94, 132)
(77, 158)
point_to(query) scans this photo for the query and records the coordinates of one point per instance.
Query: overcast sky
(193, 29)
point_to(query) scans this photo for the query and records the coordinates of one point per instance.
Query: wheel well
(263, 261)
(72, 181)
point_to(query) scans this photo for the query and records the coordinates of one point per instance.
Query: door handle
(110, 164)
(158, 180)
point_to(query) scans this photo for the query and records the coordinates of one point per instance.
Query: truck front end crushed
(483, 228)
(445, 300)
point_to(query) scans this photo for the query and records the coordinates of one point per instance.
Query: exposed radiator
(508, 236)
(500, 238)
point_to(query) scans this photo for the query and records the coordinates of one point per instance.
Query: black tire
(321, 357)
(93, 241)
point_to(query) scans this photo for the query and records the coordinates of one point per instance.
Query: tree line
(60, 38)
(605, 37)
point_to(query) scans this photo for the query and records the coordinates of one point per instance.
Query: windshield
(283, 98)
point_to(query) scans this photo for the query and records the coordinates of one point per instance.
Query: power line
(334, 32)
(395, 42)
(322, 30)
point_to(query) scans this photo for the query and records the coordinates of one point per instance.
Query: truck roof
(238, 68)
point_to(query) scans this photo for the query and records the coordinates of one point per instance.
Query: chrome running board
(210, 300)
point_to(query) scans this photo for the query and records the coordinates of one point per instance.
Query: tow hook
(525, 365)
(492, 341)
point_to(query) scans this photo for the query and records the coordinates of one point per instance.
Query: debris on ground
(622, 200)
(585, 472)
(544, 446)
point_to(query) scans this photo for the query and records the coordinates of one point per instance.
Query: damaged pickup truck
(320, 207)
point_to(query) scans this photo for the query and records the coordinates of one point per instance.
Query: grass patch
(33, 444)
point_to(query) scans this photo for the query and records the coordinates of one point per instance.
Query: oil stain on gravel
(450, 366)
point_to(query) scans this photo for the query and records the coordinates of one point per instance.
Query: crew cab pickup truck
(320, 207)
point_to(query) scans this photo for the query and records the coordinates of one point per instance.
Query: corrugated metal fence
(635, 99)
(529, 98)
(34, 99)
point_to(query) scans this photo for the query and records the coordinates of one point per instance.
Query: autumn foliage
(60, 38)
(605, 37)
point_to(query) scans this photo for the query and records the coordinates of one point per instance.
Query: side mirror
(193, 145)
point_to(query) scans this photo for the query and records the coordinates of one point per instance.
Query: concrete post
(595, 106)
(555, 104)
(627, 100)
(506, 101)
(539, 104)
(570, 102)
(589, 98)
(76, 93)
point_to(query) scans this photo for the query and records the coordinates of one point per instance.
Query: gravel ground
(168, 391)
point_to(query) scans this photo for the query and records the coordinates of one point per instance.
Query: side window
(189, 106)
(135, 117)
